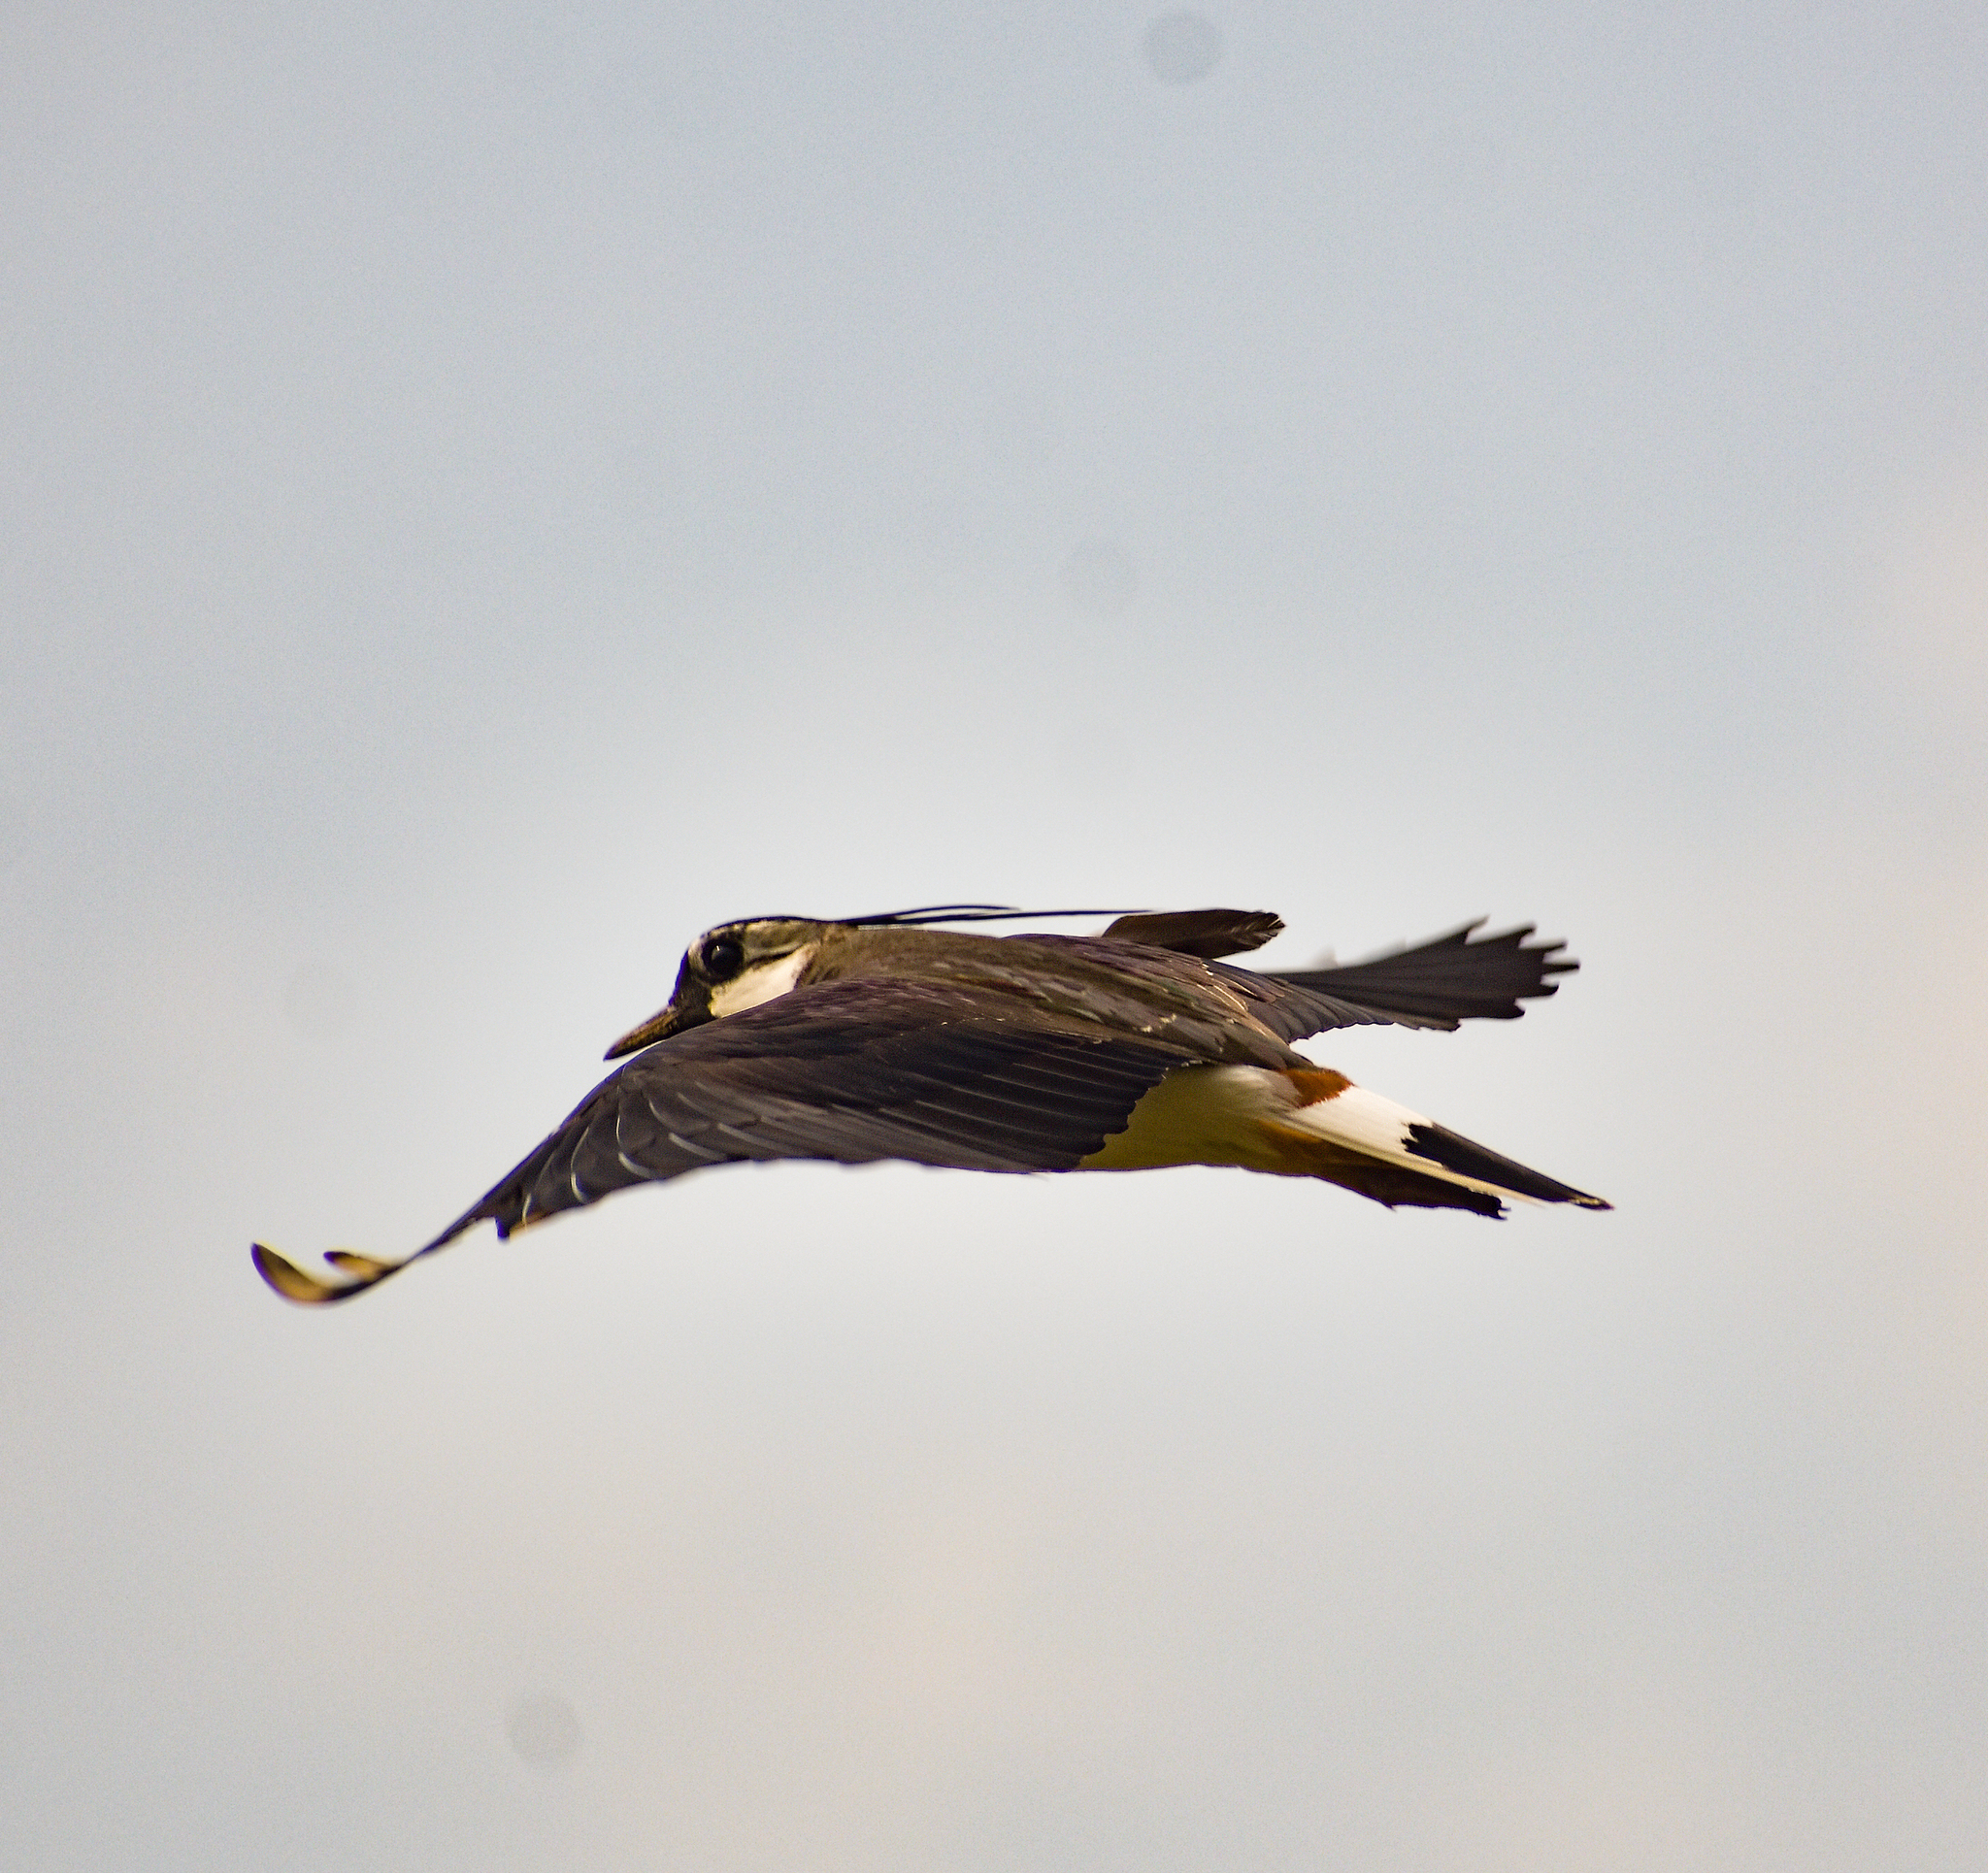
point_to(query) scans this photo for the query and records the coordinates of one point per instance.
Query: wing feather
(1455, 978)
(852, 1072)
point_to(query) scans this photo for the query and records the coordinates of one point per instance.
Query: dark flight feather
(1469, 1159)
(852, 1072)
(1454, 977)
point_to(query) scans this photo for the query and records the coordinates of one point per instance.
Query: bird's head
(730, 967)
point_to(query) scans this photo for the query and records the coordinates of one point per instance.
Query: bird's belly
(1204, 1115)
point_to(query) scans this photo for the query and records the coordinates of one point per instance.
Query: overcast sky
(490, 492)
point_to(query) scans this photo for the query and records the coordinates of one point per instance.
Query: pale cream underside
(762, 982)
(1202, 1115)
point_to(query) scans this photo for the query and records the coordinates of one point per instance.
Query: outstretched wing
(1458, 976)
(850, 1071)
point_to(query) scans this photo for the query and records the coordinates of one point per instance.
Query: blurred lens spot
(1100, 578)
(543, 1729)
(1182, 47)
(320, 1002)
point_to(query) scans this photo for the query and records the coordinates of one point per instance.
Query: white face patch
(762, 982)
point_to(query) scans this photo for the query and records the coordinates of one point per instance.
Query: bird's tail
(1363, 1142)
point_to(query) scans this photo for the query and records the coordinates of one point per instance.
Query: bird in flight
(859, 1038)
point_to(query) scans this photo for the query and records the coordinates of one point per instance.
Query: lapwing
(892, 1037)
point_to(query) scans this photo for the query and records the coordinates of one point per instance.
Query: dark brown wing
(1458, 976)
(849, 1071)
(1206, 934)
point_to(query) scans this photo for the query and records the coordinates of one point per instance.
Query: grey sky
(486, 496)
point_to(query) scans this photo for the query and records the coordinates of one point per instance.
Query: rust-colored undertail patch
(1316, 1083)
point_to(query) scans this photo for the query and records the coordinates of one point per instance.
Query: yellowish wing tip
(307, 1291)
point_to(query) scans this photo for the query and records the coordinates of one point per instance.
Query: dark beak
(657, 1027)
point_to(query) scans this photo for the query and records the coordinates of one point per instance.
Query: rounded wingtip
(290, 1281)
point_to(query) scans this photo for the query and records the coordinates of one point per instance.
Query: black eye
(723, 956)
